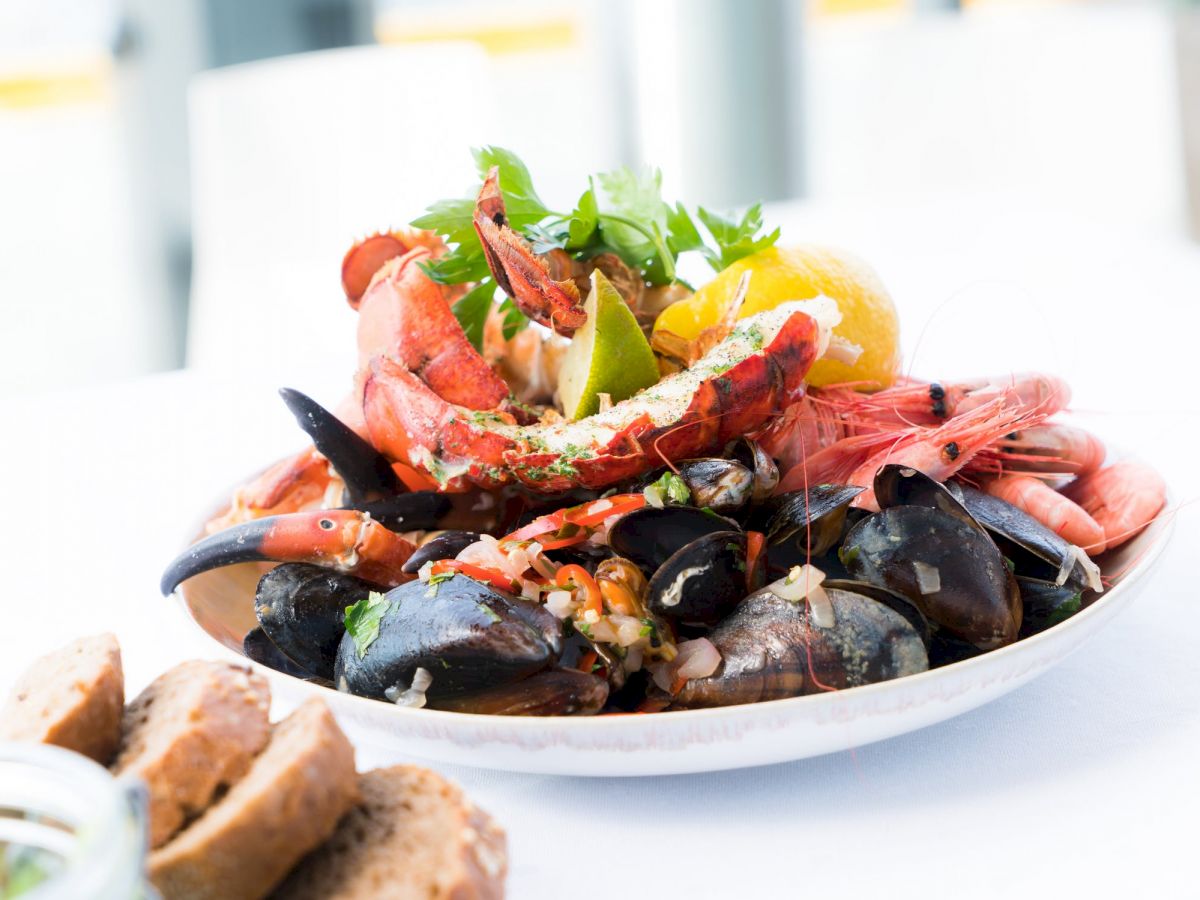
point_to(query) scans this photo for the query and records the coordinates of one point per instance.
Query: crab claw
(518, 270)
(344, 539)
(366, 474)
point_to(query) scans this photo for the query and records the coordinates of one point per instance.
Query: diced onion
(798, 583)
(842, 350)
(561, 603)
(1092, 571)
(820, 609)
(653, 496)
(628, 628)
(697, 658)
(929, 579)
(426, 571)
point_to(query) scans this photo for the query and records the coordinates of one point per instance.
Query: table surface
(1084, 779)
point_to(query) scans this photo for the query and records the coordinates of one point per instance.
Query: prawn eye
(326, 524)
(951, 450)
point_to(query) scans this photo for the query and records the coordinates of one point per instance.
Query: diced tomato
(755, 541)
(493, 577)
(587, 660)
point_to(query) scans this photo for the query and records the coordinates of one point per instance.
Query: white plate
(221, 603)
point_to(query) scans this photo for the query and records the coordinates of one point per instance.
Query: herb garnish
(363, 618)
(621, 211)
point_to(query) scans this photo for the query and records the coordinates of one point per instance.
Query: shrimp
(1063, 516)
(1049, 451)
(1123, 498)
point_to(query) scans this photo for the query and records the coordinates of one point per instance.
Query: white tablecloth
(1086, 779)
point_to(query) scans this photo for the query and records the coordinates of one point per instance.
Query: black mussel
(364, 470)
(945, 649)
(1046, 604)
(807, 523)
(467, 636)
(302, 608)
(554, 692)
(951, 570)
(904, 486)
(896, 602)
(446, 545)
(1035, 549)
(772, 648)
(723, 485)
(258, 647)
(751, 455)
(648, 535)
(702, 581)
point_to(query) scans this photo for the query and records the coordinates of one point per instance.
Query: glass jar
(68, 829)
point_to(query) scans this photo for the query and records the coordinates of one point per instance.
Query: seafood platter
(578, 514)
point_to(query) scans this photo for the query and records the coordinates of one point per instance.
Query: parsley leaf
(465, 262)
(544, 239)
(472, 310)
(682, 234)
(584, 220)
(363, 618)
(633, 221)
(735, 240)
(522, 205)
(514, 319)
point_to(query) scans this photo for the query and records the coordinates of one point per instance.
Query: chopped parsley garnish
(363, 618)
(670, 488)
(583, 628)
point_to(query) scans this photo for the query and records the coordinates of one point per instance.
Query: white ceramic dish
(221, 603)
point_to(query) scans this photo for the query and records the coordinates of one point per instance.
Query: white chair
(294, 158)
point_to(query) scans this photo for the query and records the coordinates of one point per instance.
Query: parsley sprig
(622, 212)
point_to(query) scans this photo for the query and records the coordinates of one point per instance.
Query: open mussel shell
(446, 545)
(751, 455)
(553, 692)
(467, 635)
(771, 649)
(810, 522)
(723, 485)
(301, 608)
(1034, 542)
(951, 570)
(1046, 604)
(701, 582)
(648, 536)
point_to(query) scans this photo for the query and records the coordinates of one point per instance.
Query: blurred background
(177, 177)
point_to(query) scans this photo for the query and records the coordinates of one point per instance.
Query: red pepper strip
(578, 575)
(677, 684)
(587, 660)
(595, 512)
(489, 576)
(567, 536)
(754, 548)
(539, 526)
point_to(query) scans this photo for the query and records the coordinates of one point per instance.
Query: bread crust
(193, 732)
(414, 836)
(71, 698)
(286, 805)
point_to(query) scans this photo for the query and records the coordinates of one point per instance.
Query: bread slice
(414, 836)
(71, 698)
(193, 732)
(288, 803)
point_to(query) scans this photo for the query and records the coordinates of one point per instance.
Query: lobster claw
(348, 540)
(518, 271)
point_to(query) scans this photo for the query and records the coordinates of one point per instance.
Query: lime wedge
(608, 355)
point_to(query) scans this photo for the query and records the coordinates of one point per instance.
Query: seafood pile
(729, 534)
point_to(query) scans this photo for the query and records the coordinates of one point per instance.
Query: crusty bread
(71, 698)
(414, 836)
(191, 733)
(287, 804)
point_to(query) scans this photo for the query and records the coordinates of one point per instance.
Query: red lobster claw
(518, 270)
